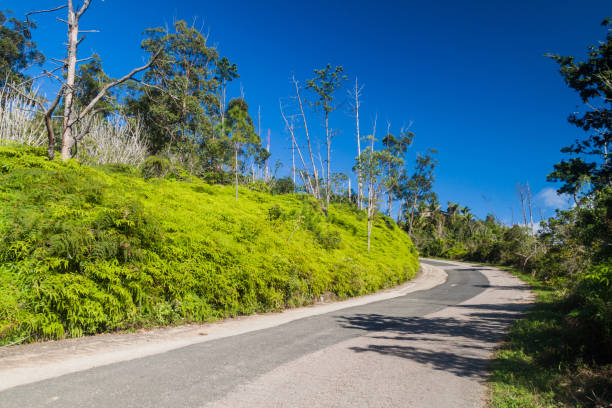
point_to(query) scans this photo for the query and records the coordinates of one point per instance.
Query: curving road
(428, 348)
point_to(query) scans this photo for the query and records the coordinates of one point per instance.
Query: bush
(590, 314)
(283, 185)
(156, 167)
(85, 250)
(329, 239)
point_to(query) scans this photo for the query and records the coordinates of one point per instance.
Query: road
(428, 348)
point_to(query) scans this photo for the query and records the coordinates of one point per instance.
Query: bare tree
(117, 139)
(355, 94)
(530, 211)
(521, 191)
(316, 192)
(18, 118)
(76, 122)
(305, 173)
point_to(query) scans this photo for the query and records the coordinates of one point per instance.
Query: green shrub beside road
(87, 250)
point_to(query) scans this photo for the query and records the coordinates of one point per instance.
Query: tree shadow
(475, 331)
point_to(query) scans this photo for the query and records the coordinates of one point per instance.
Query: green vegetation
(537, 367)
(85, 250)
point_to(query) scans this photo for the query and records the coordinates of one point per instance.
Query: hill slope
(86, 250)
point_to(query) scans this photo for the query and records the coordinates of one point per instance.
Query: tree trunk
(69, 109)
(399, 212)
(327, 137)
(359, 176)
(236, 167)
(314, 167)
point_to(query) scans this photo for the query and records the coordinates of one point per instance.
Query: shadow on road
(459, 345)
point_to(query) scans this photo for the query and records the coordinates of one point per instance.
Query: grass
(536, 366)
(87, 250)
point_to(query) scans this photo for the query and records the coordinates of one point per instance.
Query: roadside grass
(536, 365)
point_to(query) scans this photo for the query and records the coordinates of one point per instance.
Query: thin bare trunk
(314, 167)
(521, 192)
(293, 162)
(69, 89)
(328, 139)
(322, 168)
(236, 167)
(356, 94)
(307, 179)
(530, 210)
(349, 189)
(399, 212)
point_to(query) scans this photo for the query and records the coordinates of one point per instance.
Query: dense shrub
(86, 250)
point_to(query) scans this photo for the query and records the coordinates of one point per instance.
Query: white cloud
(549, 198)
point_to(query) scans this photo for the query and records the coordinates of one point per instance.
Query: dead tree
(317, 190)
(355, 94)
(305, 173)
(521, 192)
(75, 121)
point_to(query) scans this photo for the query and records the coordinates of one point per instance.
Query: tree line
(174, 111)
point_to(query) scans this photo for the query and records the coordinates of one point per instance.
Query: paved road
(428, 348)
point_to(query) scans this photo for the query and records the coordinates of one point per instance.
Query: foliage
(592, 79)
(283, 185)
(539, 364)
(86, 250)
(17, 50)
(179, 96)
(416, 191)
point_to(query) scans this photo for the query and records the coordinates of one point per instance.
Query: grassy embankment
(87, 250)
(539, 365)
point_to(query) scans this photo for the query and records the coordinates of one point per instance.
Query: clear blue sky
(471, 76)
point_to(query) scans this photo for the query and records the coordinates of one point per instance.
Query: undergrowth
(546, 360)
(87, 250)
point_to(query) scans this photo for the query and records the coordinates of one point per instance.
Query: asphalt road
(369, 355)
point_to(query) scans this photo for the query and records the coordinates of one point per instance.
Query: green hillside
(87, 250)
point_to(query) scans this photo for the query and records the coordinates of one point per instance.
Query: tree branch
(108, 86)
(44, 11)
(83, 9)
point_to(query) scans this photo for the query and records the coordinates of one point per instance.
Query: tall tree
(225, 72)
(324, 84)
(76, 120)
(239, 130)
(355, 95)
(418, 189)
(397, 147)
(371, 163)
(17, 50)
(181, 96)
(592, 79)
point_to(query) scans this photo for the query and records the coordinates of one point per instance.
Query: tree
(371, 165)
(324, 84)
(417, 189)
(397, 148)
(179, 96)
(76, 120)
(90, 81)
(309, 175)
(225, 72)
(17, 50)
(238, 128)
(592, 80)
(355, 95)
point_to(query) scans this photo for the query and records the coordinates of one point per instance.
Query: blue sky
(470, 76)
